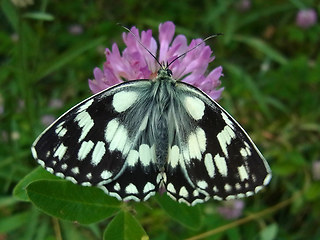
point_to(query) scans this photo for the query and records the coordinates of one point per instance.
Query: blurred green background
(270, 57)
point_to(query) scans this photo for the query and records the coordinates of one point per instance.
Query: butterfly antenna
(155, 58)
(183, 54)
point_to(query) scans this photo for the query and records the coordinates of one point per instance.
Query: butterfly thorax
(160, 108)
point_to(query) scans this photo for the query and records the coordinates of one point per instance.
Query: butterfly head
(164, 73)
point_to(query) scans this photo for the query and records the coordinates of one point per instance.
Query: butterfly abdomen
(161, 142)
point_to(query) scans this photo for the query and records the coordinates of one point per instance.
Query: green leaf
(270, 232)
(39, 16)
(124, 226)
(39, 173)
(11, 13)
(313, 192)
(72, 202)
(188, 216)
(262, 47)
(13, 222)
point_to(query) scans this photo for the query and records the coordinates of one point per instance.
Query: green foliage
(188, 216)
(271, 80)
(71, 202)
(124, 227)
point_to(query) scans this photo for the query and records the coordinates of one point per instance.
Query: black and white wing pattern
(141, 136)
(102, 142)
(211, 153)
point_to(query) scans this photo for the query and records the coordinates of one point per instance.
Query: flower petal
(166, 32)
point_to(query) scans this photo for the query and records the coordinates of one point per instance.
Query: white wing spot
(119, 139)
(60, 175)
(230, 197)
(85, 149)
(41, 163)
(75, 170)
(194, 106)
(131, 189)
(64, 166)
(60, 124)
(258, 188)
(106, 174)
(173, 156)
(193, 146)
(85, 105)
(240, 195)
(215, 189)
(221, 165)
(98, 152)
(60, 131)
(224, 138)
(86, 184)
(202, 184)
(195, 193)
(148, 187)
(50, 170)
(237, 186)
(208, 162)
(250, 193)
(227, 120)
(123, 100)
(111, 129)
(254, 177)
(132, 158)
(116, 187)
(243, 153)
(196, 201)
(247, 148)
(267, 179)
(72, 179)
(243, 173)
(159, 178)
(89, 176)
(171, 188)
(202, 140)
(145, 155)
(34, 152)
(217, 198)
(183, 192)
(60, 151)
(227, 187)
(248, 151)
(85, 122)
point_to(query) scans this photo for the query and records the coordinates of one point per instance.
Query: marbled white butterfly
(143, 136)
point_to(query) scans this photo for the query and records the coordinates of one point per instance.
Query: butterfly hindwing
(99, 142)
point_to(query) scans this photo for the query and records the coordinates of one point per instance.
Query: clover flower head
(306, 18)
(136, 63)
(231, 209)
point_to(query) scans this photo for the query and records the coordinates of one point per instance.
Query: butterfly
(144, 136)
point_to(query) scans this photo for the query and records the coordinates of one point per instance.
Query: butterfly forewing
(143, 136)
